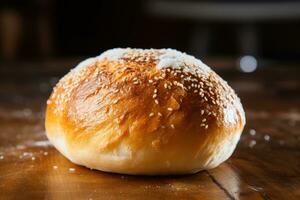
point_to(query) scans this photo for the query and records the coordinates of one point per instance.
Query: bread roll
(147, 112)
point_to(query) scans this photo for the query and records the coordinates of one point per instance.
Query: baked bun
(149, 112)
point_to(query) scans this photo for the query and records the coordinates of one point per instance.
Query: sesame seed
(156, 101)
(150, 81)
(204, 120)
(155, 91)
(159, 114)
(154, 96)
(71, 170)
(206, 126)
(202, 112)
(252, 143)
(151, 114)
(136, 82)
(267, 137)
(170, 109)
(166, 85)
(252, 132)
(55, 167)
(172, 126)
(115, 101)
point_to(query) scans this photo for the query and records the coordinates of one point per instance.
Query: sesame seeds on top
(175, 71)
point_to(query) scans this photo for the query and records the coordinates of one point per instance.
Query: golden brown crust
(128, 116)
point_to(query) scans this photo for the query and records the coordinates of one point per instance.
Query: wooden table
(265, 165)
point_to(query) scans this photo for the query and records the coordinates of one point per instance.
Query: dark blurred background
(250, 43)
(45, 29)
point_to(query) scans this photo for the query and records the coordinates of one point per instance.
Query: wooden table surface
(265, 165)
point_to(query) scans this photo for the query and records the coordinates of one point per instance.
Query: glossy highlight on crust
(135, 111)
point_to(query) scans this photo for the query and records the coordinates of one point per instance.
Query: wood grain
(266, 164)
